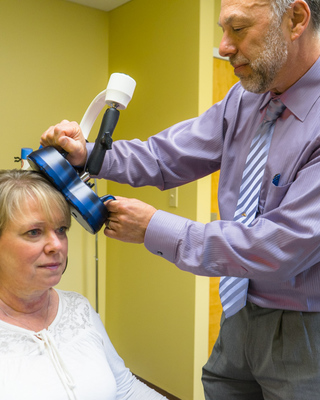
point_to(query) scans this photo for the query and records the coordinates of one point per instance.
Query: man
(270, 348)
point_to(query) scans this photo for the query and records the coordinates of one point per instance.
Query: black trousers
(265, 354)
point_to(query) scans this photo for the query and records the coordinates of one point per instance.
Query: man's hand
(67, 136)
(128, 219)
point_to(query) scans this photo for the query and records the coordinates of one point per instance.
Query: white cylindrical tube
(120, 90)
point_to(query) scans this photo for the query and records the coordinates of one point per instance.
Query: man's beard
(267, 65)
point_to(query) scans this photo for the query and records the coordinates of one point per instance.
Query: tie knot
(274, 110)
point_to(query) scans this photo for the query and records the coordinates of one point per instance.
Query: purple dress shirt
(280, 252)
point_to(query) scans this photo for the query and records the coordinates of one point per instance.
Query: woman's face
(33, 251)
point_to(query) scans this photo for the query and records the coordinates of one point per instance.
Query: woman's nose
(53, 242)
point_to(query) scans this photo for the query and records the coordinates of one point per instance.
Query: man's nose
(227, 46)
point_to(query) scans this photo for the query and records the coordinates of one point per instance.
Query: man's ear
(299, 18)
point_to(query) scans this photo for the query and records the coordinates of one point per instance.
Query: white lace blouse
(72, 360)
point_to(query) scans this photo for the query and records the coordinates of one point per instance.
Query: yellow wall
(217, 31)
(55, 57)
(53, 62)
(167, 47)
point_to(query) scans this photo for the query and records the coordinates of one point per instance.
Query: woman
(52, 343)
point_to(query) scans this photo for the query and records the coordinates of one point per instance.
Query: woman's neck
(33, 313)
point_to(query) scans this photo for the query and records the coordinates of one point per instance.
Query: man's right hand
(67, 136)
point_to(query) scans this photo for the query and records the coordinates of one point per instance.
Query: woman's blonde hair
(18, 187)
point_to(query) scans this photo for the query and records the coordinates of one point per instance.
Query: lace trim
(72, 319)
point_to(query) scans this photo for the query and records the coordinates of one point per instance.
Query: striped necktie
(233, 291)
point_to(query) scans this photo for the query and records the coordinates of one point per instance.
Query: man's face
(254, 42)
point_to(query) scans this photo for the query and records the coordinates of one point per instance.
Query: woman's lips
(51, 266)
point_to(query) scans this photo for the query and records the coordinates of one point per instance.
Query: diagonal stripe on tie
(233, 290)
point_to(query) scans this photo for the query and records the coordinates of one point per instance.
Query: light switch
(173, 197)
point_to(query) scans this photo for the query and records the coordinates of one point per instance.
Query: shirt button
(159, 253)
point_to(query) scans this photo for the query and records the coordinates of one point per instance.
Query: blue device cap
(24, 152)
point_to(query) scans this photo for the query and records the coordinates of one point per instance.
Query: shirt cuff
(163, 234)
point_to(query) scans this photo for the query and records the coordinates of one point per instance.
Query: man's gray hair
(281, 6)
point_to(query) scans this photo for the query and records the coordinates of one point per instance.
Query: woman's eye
(62, 230)
(34, 232)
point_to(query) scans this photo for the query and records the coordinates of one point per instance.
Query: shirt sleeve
(279, 245)
(183, 153)
(128, 386)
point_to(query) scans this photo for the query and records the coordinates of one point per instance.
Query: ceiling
(105, 5)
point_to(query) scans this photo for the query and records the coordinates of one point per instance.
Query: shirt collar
(301, 96)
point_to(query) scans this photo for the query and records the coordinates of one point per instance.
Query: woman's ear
(299, 18)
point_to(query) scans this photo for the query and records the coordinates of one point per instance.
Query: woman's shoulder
(74, 315)
(74, 302)
(69, 296)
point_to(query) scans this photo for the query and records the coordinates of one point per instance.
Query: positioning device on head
(86, 207)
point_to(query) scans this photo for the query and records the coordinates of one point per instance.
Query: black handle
(103, 141)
